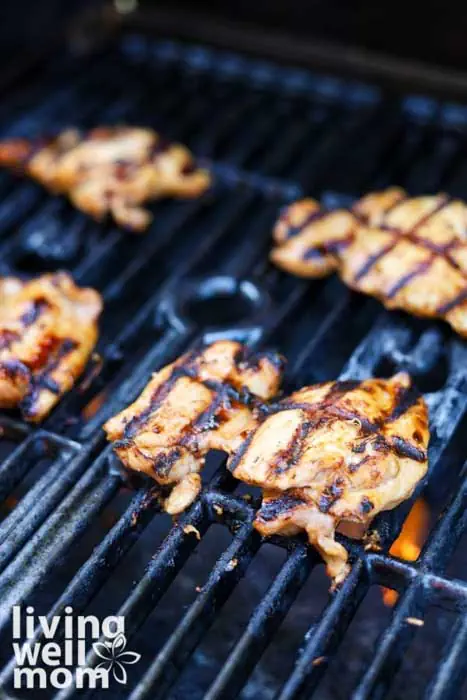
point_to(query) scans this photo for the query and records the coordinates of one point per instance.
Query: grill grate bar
(17, 204)
(160, 572)
(326, 155)
(325, 635)
(239, 108)
(13, 468)
(263, 128)
(169, 662)
(51, 490)
(48, 107)
(55, 536)
(264, 621)
(446, 535)
(172, 225)
(330, 322)
(391, 646)
(379, 135)
(30, 512)
(288, 147)
(99, 566)
(187, 267)
(453, 667)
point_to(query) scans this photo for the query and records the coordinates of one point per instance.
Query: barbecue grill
(229, 615)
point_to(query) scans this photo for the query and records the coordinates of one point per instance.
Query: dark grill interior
(76, 532)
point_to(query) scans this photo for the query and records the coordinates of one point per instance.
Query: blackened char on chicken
(210, 398)
(336, 453)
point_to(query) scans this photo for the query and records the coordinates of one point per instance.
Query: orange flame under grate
(410, 542)
(94, 405)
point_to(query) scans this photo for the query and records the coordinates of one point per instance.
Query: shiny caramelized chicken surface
(109, 170)
(335, 454)
(410, 253)
(210, 398)
(48, 329)
(309, 239)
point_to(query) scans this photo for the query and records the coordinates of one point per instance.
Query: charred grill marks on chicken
(309, 238)
(327, 455)
(322, 413)
(410, 253)
(211, 398)
(284, 503)
(408, 235)
(335, 453)
(48, 329)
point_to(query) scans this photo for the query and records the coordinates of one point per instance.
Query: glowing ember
(410, 542)
(8, 505)
(94, 405)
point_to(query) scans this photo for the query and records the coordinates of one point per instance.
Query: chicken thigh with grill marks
(410, 253)
(309, 239)
(48, 329)
(414, 258)
(334, 454)
(109, 170)
(210, 398)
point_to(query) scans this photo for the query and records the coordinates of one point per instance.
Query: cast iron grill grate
(270, 134)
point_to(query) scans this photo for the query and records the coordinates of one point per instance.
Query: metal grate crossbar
(269, 134)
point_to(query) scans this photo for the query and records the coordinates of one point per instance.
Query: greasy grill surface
(271, 135)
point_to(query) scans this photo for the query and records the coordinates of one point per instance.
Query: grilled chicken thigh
(48, 329)
(415, 259)
(210, 398)
(411, 253)
(310, 239)
(109, 170)
(334, 454)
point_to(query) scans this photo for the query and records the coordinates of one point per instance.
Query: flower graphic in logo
(115, 657)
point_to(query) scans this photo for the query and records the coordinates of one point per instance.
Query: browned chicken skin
(411, 253)
(334, 454)
(208, 399)
(109, 170)
(48, 329)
